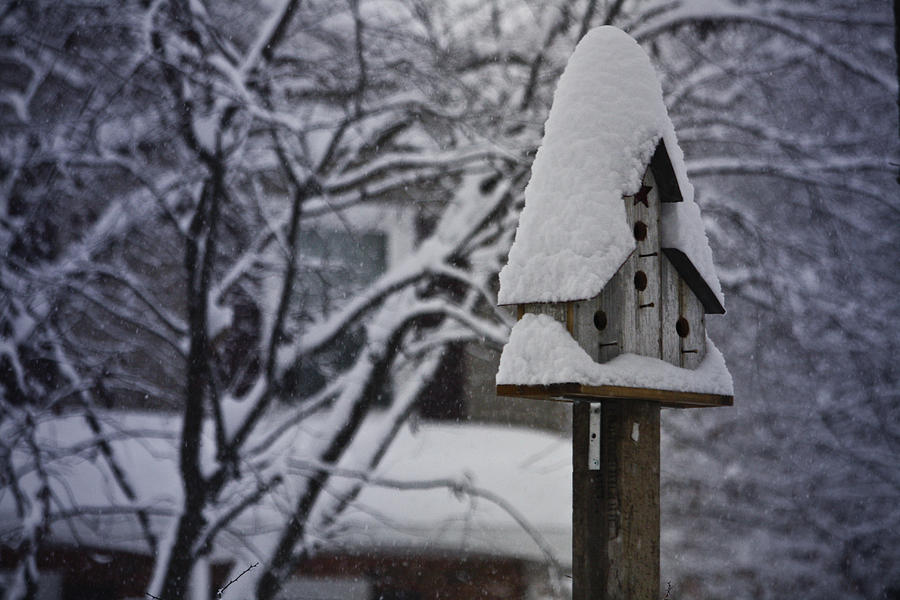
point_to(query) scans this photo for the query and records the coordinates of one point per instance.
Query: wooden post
(587, 517)
(615, 509)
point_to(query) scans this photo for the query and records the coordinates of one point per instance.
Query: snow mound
(541, 352)
(606, 119)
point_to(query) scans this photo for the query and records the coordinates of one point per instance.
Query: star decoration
(641, 196)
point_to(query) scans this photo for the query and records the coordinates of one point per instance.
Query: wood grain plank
(693, 345)
(627, 295)
(584, 330)
(567, 392)
(630, 467)
(557, 310)
(645, 215)
(669, 313)
(611, 303)
(588, 541)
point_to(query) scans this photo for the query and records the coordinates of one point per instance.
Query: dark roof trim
(695, 281)
(666, 182)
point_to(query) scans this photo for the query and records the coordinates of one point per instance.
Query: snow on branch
(398, 162)
(723, 129)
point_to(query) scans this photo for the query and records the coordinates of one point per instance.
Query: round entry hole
(640, 231)
(640, 281)
(600, 321)
(682, 327)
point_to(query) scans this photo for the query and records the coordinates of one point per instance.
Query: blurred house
(391, 544)
(490, 520)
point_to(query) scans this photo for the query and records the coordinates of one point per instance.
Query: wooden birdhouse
(611, 271)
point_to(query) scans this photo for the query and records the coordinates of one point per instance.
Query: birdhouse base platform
(568, 392)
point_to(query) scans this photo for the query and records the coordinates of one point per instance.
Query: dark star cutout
(641, 196)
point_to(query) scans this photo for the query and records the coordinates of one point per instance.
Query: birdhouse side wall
(625, 316)
(683, 322)
(646, 308)
(557, 310)
(669, 283)
(640, 273)
(597, 322)
(693, 345)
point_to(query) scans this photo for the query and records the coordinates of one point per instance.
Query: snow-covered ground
(530, 470)
(483, 489)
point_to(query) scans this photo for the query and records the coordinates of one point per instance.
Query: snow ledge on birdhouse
(541, 352)
(606, 120)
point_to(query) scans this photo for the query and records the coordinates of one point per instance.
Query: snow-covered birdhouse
(611, 270)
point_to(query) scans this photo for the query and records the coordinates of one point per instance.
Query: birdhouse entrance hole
(640, 231)
(640, 281)
(682, 327)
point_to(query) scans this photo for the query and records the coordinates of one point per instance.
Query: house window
(335, 265)
(398, 594)
(444, 397)
(326, 588)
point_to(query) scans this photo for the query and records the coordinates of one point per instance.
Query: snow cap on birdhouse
(611, 268)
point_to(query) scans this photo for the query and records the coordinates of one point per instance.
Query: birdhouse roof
(607, 122)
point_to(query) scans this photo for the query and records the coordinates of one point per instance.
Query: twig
(225, 587)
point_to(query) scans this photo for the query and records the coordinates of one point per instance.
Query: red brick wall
(416, 577)
(101, 574)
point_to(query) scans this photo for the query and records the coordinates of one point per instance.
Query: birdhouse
(611, 272)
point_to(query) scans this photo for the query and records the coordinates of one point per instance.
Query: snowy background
(248, 248)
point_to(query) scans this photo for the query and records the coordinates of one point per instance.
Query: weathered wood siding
(640, 274)
(584, 330)
(693, 345)
(557, 310)
(646, 308)
(598, 322)
(669, 283)
(616, 510)
(683, 323)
